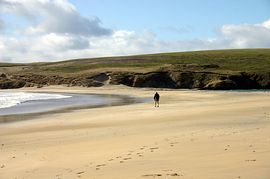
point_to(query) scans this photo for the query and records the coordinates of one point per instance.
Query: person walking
(156, 99)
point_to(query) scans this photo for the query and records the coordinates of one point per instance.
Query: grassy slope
(249, 60)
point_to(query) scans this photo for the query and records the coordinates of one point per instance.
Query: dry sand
(193, 135)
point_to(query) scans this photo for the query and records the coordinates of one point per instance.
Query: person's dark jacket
(156, 97)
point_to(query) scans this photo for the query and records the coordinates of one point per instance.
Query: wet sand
(37, 108)
(193, 134)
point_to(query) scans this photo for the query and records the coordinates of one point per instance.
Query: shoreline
(193, 134)
(118, 101)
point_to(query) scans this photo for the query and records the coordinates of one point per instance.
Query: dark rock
(11, 84)
(29, 84)
(210, 66)
(102, 77)
(125, 78)
(39, 86)
(154, 80)
(3, 75)
(92, 83)
(259, 80)
(182, 79)
(172, 76)
(244, 81)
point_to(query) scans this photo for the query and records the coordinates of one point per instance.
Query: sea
(9, 99)
(26, 102)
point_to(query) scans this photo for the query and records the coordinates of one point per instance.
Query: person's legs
(157, 103)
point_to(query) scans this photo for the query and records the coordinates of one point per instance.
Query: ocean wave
(9, 99)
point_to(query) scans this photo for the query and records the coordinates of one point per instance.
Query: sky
(52, 30)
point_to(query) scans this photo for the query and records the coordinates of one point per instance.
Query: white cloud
(56, 31)
(247, 35)
(61, 42)
(266, 24)
(54, 16)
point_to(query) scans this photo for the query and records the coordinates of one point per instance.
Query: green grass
(248, 60)
(10, 64)
(82, 67)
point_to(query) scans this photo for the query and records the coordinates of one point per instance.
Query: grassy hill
(215, 69)
(247, 60)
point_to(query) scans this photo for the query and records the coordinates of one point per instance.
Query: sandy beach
(192, 135)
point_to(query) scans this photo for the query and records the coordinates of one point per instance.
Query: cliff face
(30, 80)
(191, 80)
(169, 77)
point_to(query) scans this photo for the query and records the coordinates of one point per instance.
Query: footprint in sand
(58, 176)
(139, 154)
(152, 149)
(173, 174)
(98, 167)
(101, 165)
(228, 146)
(173, 143)
(79, 173)
(128, 158)
(252, 160)
(152, 175)
(159, 175)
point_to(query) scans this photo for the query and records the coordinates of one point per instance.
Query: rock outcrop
(193, 80)
(169, 77)
(10, 84)
(31, 80)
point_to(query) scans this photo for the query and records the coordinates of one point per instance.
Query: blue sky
(50, 30)
(172, 19)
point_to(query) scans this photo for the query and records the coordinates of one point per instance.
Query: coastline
(194, 134)
(111, 100)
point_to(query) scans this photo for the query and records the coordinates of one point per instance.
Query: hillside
(216, 69)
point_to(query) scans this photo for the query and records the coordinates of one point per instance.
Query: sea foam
(9, 99)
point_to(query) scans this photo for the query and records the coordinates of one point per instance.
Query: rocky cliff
(193, 80)
(170, 77)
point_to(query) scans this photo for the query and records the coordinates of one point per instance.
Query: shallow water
(25, 103)
(9, 99)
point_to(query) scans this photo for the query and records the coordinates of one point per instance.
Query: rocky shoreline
(170, 77)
